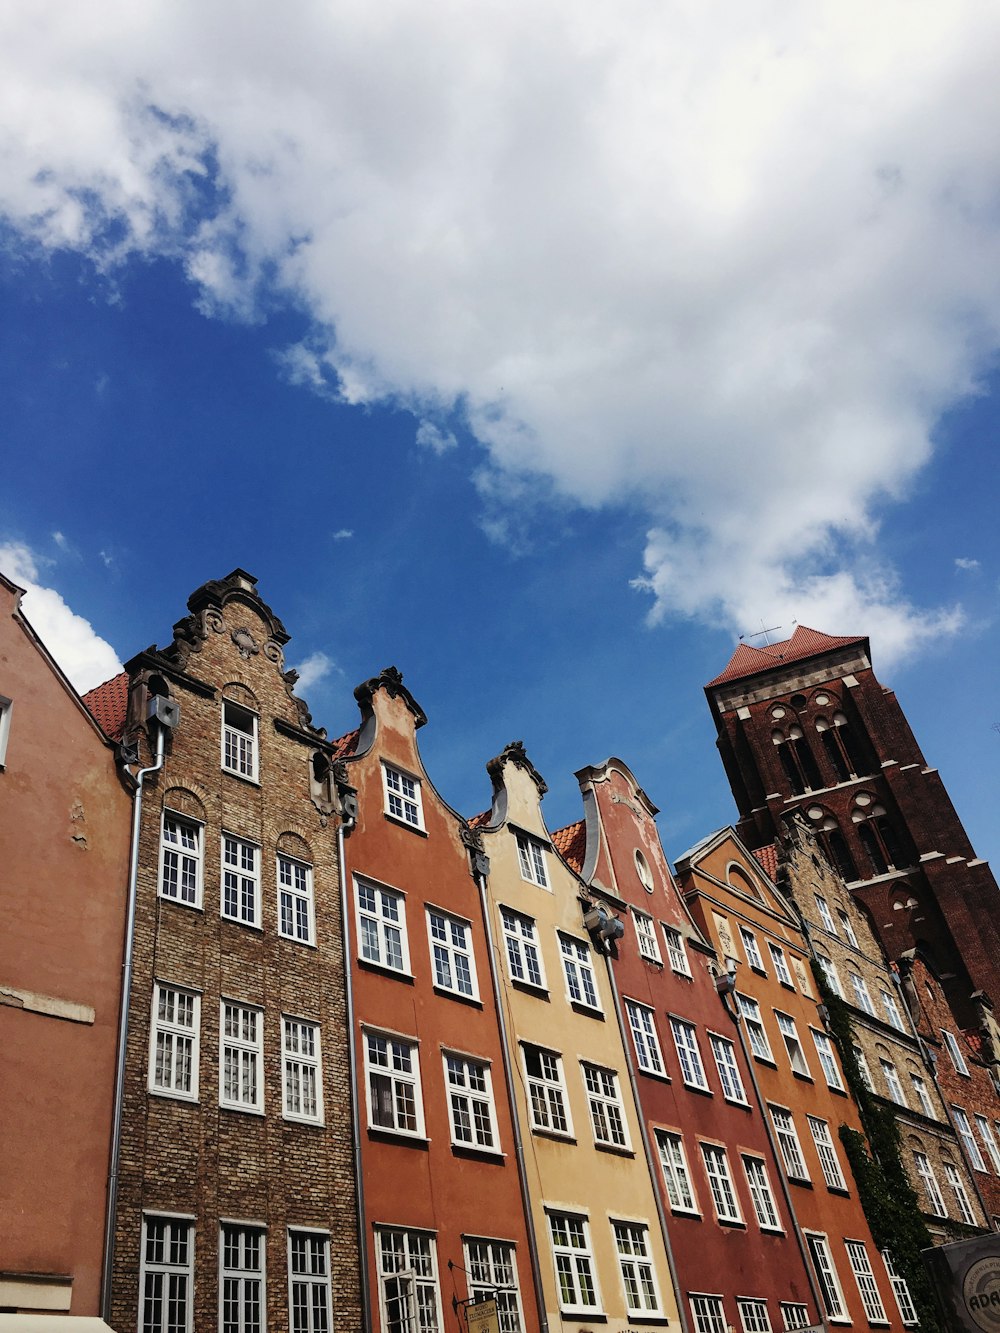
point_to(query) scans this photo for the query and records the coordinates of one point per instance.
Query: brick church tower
(805, 729)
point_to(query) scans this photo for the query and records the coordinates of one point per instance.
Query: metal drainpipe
(529, 1219)
(352, 1072)
(651, 1164)
(778, 1160)
(116, 1122)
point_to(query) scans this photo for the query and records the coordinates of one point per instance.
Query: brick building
(64, 838)
(236, 1197)
(804, 726)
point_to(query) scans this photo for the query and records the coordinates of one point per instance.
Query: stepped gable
(805, 642)
(108, 705)
(571, 843)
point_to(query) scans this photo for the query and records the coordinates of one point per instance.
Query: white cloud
(60, 541)
(343, 534)
(725, 264)
(434, 438)
(312, 669)
(965, 562)
(84, 656)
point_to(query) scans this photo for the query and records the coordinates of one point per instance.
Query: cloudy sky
(539, 349)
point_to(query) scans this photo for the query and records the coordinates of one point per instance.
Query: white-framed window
(452, 960)
(181, 860)
(892, 1081)
(647, 1044)
(676, 951)
(524, 960)
(392, 1069)
(923, 1097)
(989, 1141)
(929, 1181)
(901, 1291)
(173, 1041)
(862, 996)
(794, 1316)
(830, 973)
(720, 1183)
(864, 1068)
(301, 1070)
(308, 1281)
(848, 929)
(827, 1059)
(753, 1315)
(492, 1270)
(574, 1263)
(708, 1312)
(826, 1273)
(955, 1051)
(548, 1105)
(241, 1085)
(240, 880)
(402, 797)
(750, 1012)
(957, 1186)
(788, 1142)
(729, 1070)
(676, 1173)
(892, 1010)
(470, 1102)
(688, 1054)
(242, 1308)
(861, 1267)
(826, 919)
(642, 1295)
(607, 1115)
(581, 985)
(166, 1277)
(239, 740)
(968, 1138)
(828, 1160)
(6, 709)
(531, 858)
(790, 1036)
(296, 914)
(751, 949)
(645, 934)
(780, 965)
(761, 1194)
(409, 1299)
(382, 926)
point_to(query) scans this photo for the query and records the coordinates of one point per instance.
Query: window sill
(246, 925)
(587, 1010)
(293, 939)
(241, 777)
(737, 1224)
(652, 1320)
(471, 1000)
(773, 1231)
(787, 984)
(556, 1135)
(401, 823)
(803, 1078)
(177, 902)
(243, 1110)
(761, 971)
(379, 1134)
(615, 1149)
(802, 1181)
(595, 1316)
(651, 1073)
(529, 988)
(654, 962)
(380, 968)
(692, 1213)
(471, 1153)
(734, 1101)
(162, 1094)
(304, 1121)
(693, 1087)
(766, 1060)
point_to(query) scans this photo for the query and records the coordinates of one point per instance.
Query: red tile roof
(480, 820)
(768, 860)
(805, 642)
(571, 843)
(108, 704)
(346, 745)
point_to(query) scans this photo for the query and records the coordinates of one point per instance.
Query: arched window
(834, 752)
(832, 841)
(797, 760)
(877, 835)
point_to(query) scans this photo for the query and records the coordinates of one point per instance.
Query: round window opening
(798, 701)
(643, 871)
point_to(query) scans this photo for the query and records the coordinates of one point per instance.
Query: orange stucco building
(64, 841)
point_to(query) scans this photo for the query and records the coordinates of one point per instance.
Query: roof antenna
(758, 632)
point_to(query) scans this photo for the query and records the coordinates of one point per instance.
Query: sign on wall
(967, 1278)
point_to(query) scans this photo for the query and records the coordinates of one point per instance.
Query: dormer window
(239, 740)
(531, 855)
(402, 797)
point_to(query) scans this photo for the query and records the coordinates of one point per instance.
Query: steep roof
(344, 746)
(571, 843)
(767, 859)
(805, 642)
(108, 705)
(482, 819)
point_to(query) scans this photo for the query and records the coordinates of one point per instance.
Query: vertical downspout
(116, 1122)
(779, 1164)
(352, 1072)
(529, 1218)
(651, 1164)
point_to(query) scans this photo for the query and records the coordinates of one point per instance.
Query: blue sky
(442, 329)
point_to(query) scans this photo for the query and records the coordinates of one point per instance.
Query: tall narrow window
(955, 1051)
(753, 1315)
(180, 860)
(393, 1068)
(830, 974)
(242, 1042)
(452, 958)
(382, 926)
(240, 881)
(167, 1275)
(402, 797)
(302, 1078)
(688, 1054)
(989, 1141)
(574, 1263)
(241, 1253)
(788, 1142)
(607, 1117)
(794, 1315)
(826, 919)
(581, 985)
(720, 1183)
(848, 929)
(750, 1011)
(546, 1091)
(923, 1097)
(900, 1289)
(892, 1011)
(892, 1083)
(676, 951)
(239, 740)
(6, 708)
(729, 1070)
(839, 854)
(957, 1186)
(861, 1268)
(780, 965)
(524, 960)
(864, 1068)
(173, 1044)
(761, 1194)
(531, 858)
(492, 1270)
(636, 1264)
(931, 1187)
(752, 949)
(826, 1274)
(295, 901)
(968, 1138)
(470, 1103)
(827, 1060)
(828, 1160)
(645, 934)
(790, 1036)
(862, 998)
(309, 1281)
(676, 1175)
(409, 1298)
(709, 1313)
(647, 1045)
